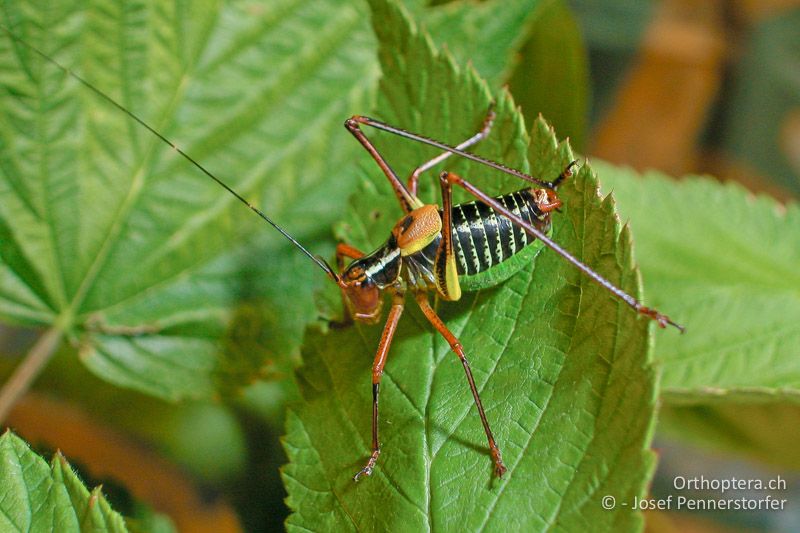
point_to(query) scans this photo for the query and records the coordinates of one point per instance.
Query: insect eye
(363, 282)
(355, 274)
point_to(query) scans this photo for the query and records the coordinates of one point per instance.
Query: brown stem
(29, 369)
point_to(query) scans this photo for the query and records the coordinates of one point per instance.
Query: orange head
(546, 199)
(362, 292)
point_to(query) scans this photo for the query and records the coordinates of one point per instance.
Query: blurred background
(682, 86)
(698, 87)
(692, 87)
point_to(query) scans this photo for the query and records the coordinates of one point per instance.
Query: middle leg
(455, 345)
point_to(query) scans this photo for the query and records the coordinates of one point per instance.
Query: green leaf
(724, 263)
(146, 261)
(103, 225)
(562, 368)
(38, 497)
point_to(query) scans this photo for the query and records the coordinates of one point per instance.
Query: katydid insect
(430, 249)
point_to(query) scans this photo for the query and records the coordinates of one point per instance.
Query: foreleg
(377, 372)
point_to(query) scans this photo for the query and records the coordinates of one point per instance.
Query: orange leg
(662, 320)
(455, 345)
(413, 179)
(345, 250)
(398, 302)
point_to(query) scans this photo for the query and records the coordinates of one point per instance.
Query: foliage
(155, 265)
(724, 262)
(165, 285)
(561, 366)
(42, 497)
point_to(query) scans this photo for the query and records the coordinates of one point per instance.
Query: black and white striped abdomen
(483, 239)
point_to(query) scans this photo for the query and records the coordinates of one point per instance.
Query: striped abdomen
(483, 239)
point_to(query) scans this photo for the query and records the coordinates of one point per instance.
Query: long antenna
(320, 262)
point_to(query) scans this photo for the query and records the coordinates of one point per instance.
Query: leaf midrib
(248, 184)
(208, 214)
(134, 192)
(581, 239)
(61, 295)
(394, 382)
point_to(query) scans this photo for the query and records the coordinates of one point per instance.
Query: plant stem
(29, 369)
